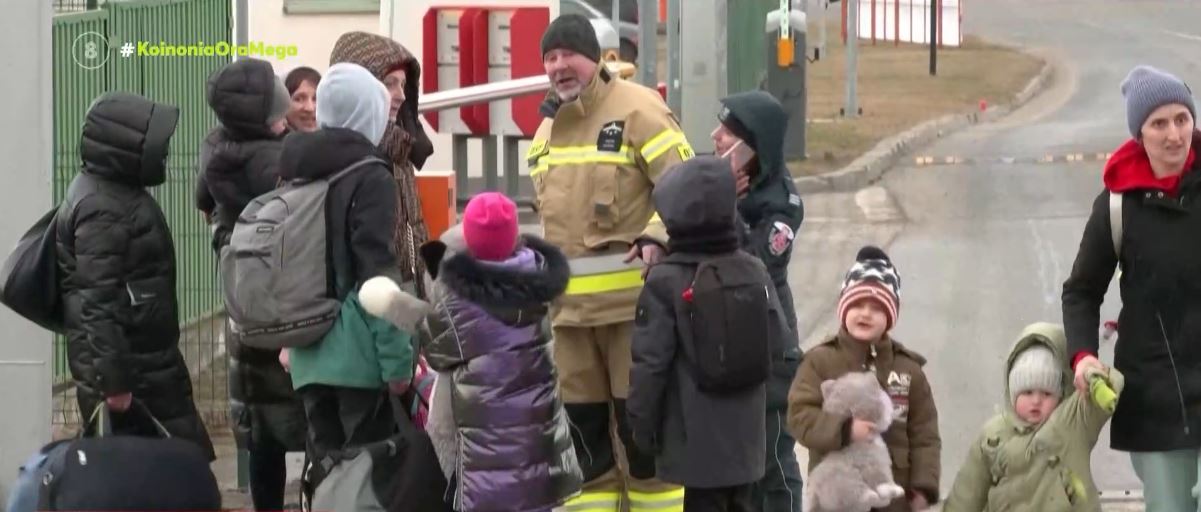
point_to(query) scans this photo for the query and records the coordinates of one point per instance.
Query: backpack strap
(1115, 221)
(365, 161)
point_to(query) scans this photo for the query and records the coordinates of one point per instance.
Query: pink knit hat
(490, 226)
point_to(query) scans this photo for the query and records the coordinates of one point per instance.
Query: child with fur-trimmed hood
(496, 418)
(867, 311)
(1042, 438)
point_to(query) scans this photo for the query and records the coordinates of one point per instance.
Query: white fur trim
(383, 298)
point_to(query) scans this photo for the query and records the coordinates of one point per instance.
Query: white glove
(383, 298)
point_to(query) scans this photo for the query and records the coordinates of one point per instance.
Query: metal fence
(179, 81)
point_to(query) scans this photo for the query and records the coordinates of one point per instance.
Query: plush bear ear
(827, 388)
(432, 253)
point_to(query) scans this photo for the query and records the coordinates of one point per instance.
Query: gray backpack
(275, 272)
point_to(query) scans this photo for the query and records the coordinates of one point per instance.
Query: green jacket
(1016, 466)
(360, 351)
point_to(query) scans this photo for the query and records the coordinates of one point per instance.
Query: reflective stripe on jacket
(594, 165)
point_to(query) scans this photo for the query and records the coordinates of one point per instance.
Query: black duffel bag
(127, 473)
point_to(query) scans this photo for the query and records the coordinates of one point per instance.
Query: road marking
(876, 204)
(1190, 37)
(925, 160)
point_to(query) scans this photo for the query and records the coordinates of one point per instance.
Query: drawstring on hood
(350, 97)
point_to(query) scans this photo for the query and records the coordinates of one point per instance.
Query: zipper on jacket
(1175, 373)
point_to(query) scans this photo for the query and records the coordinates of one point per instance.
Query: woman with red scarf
(1157, 178)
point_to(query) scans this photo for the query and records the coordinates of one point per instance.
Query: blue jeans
(1169, 479)
(780, 488)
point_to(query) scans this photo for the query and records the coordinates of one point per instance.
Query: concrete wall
(25, 349)
(313, 34)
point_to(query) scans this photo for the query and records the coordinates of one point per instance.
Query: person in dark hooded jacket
(117, 264)
(404, 141)
(344, 378)
(239, 157)
(1157, 176)
(711, 443)
(753, 125)
(238, 162)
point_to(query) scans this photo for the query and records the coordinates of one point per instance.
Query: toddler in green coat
(1035, 454)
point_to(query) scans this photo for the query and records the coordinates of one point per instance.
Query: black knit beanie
(572, 32)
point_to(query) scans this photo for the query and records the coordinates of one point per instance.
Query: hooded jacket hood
(350, 97)
(515, 296)
(244, 95)
(697, 202)
(767, 123)
(1129, 168)
(126, 138)
(405, 140)
(1053, 338)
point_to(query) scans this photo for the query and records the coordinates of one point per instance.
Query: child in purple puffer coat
(496, 417)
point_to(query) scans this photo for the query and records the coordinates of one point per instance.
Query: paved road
(983, 248)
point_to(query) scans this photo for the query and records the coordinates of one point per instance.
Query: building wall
(26, 145)
(313, 34)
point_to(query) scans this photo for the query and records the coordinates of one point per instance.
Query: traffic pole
(934, 37)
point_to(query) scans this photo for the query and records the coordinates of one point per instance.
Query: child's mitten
(383, 298)
(1101, 392)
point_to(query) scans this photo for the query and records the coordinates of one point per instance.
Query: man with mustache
(594, 161)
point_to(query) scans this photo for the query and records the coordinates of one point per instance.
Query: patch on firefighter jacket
(898, 391)
(610, 136)
(537, 149)
(780, 238)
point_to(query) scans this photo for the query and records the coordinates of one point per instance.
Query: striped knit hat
(872, 277)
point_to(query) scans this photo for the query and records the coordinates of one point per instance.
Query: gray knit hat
(1146, 89)
(1035, 369)
(281, 102)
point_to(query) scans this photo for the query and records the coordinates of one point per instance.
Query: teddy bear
(858, 477)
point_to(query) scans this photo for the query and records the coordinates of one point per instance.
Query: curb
(870, 166)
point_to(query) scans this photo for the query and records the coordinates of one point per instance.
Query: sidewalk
(1133, 503)
(225, 468)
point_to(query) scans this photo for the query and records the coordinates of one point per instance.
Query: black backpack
(727, 333)
(29, 281)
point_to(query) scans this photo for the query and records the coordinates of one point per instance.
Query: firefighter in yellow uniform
(603, 144)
